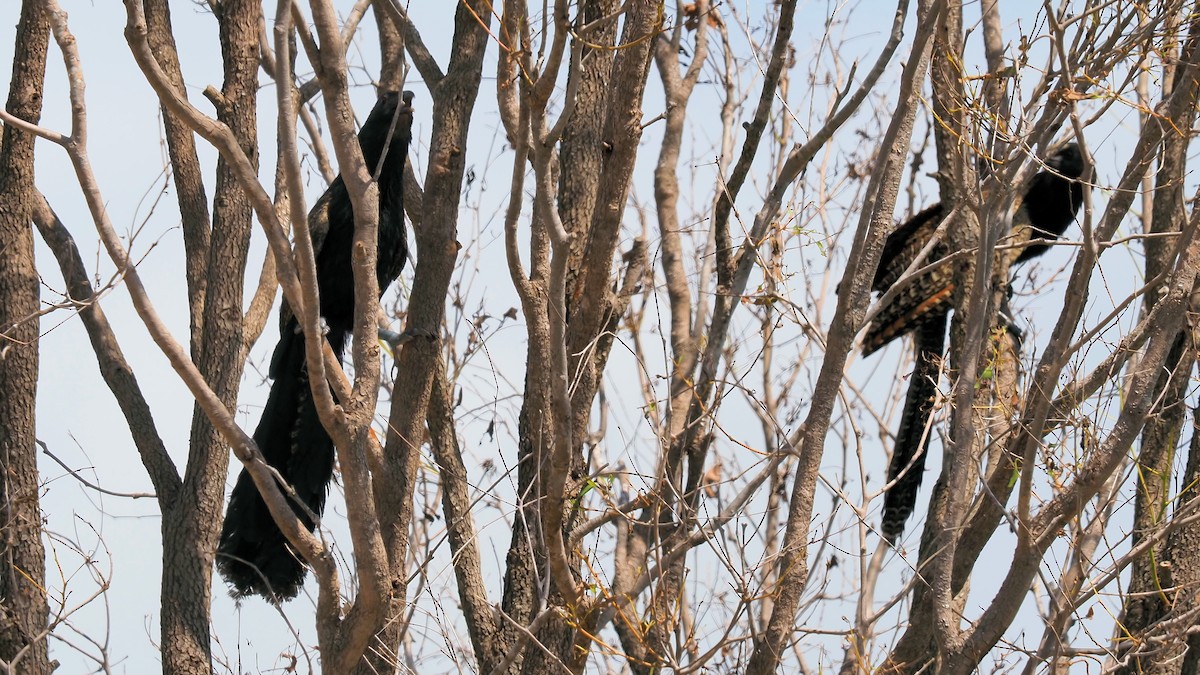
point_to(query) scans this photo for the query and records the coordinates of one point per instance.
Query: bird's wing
(318, 227)
(919, 298)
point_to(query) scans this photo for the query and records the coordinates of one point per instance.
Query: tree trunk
(191, 524)
(1147, 602)
(454, 97)
(1183, 553)
(22, 570)
(185, 169)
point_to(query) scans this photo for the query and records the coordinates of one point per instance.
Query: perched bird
(253, 555)
(921, 307)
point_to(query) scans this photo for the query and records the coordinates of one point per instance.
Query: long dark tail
(908, 455)
(254, 556)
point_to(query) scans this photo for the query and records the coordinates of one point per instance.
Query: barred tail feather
(912, 441)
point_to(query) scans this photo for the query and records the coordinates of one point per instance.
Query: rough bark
(622, 131)
(391, 48)
(583, 148)
(957, 183)
(454, 96)
(24, 616)
(191, 523)
(590, 300)
(526, 560)
(185, 168)
(1150, 597)
(1183, 557)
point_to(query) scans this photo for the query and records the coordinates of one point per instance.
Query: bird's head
(1067, 161)
(389, 103)
(387, 129)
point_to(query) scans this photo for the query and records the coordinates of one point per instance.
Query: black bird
(922, 306)
(253, 555)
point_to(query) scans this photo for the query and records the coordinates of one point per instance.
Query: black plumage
(921, 307)
(253, 555)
